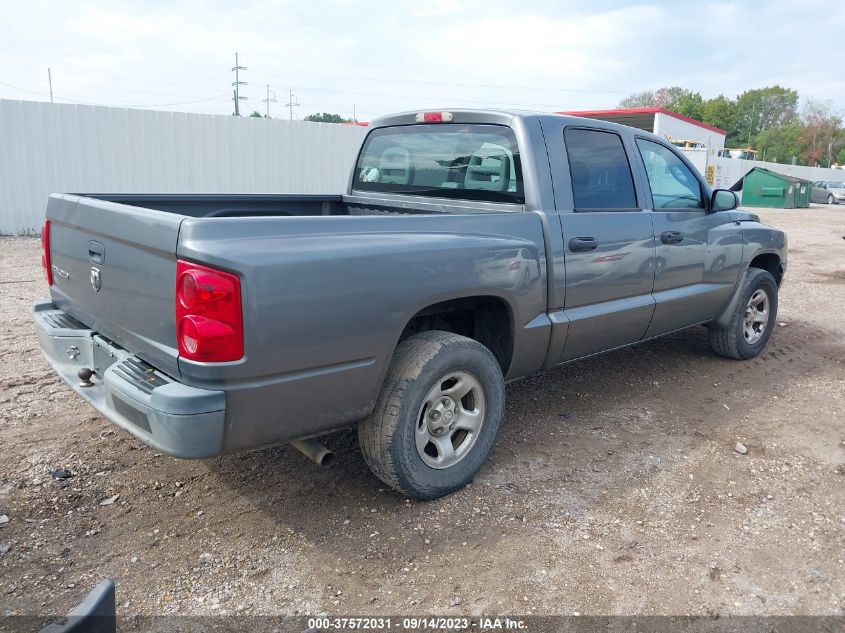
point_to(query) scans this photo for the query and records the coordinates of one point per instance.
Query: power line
(292, 103)
(60, 83)
(32, 92)
(237, 84)
(120, 77)
(114, 105)
(497, 86)
(381, 79)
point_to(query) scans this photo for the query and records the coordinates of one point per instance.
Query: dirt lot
(615, 487)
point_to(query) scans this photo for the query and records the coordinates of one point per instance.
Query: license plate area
(105, 355)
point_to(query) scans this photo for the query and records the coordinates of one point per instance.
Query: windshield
(836, 185)
(469, 162)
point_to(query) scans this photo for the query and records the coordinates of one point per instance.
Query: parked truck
(470, 249)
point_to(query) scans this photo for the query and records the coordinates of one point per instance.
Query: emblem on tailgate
(94, 277)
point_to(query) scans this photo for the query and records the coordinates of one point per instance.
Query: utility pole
(268, 100)
(237, 84)
(50, 81)
(291, 104)
(751, 124)
(354, 117)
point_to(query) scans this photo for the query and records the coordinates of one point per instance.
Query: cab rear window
(465, 162)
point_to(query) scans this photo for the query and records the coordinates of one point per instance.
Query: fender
(725, 316)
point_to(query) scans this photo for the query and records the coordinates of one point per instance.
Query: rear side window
(601, 175)
(468, 162)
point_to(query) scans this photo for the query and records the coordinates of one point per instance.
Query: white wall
(46, 148)
(727, 171)
(698, 157)
(669, 126)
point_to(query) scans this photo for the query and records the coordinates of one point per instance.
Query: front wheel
(830, 199)
(437, 417)
(752, 320)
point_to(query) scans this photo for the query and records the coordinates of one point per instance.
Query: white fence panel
(726, 172)
(730, 170)
(46, 148)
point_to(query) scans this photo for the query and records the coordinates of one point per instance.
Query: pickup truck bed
(243, 205)
(339, 274)
(478, 246)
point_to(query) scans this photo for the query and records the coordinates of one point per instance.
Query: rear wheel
(437, 416)
(752, 320)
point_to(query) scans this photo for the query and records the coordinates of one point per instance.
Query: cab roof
(494, 117)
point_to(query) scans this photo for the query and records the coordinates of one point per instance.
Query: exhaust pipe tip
(314, 451)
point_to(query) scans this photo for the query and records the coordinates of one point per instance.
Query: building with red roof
(670, 125)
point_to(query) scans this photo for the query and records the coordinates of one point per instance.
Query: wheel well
(485, 319)
(769, 262)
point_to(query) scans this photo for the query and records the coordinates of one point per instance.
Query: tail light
(515, 265)
(45, 252)
(209, 315)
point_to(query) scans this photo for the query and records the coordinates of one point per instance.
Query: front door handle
(583, 244)
(671, 237)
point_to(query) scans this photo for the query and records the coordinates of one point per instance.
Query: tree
(763, 118)
(690, 104)
(762, 109)
(256, 115)
(325, 117)
(822, 136)
(719, 111)
(638, 100)
(780, 144)
(667, 96)
(675, 98)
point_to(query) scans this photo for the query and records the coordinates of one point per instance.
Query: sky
(372, 58)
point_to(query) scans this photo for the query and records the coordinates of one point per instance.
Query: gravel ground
(615, 487)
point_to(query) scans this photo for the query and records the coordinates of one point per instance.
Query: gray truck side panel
(326, 300)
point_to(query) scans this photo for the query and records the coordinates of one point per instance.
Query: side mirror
(723, 200)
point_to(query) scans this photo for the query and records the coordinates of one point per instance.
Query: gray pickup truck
(472, 248)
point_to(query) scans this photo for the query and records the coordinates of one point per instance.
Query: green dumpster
(762, 187)
(802, 194)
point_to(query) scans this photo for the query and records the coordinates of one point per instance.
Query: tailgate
(114, 269)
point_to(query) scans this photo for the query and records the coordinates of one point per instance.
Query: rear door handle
(671, 237)
(583, 244)
(96, 252)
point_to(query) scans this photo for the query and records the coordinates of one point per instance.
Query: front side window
(601, 175)
(467, 162)
(673, 185)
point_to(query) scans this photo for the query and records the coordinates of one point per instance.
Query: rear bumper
(165, 414)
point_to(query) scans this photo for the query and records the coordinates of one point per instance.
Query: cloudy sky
(390, 56)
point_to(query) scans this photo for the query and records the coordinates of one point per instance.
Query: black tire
(830, 199)
(730, 341)
(387, 436)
